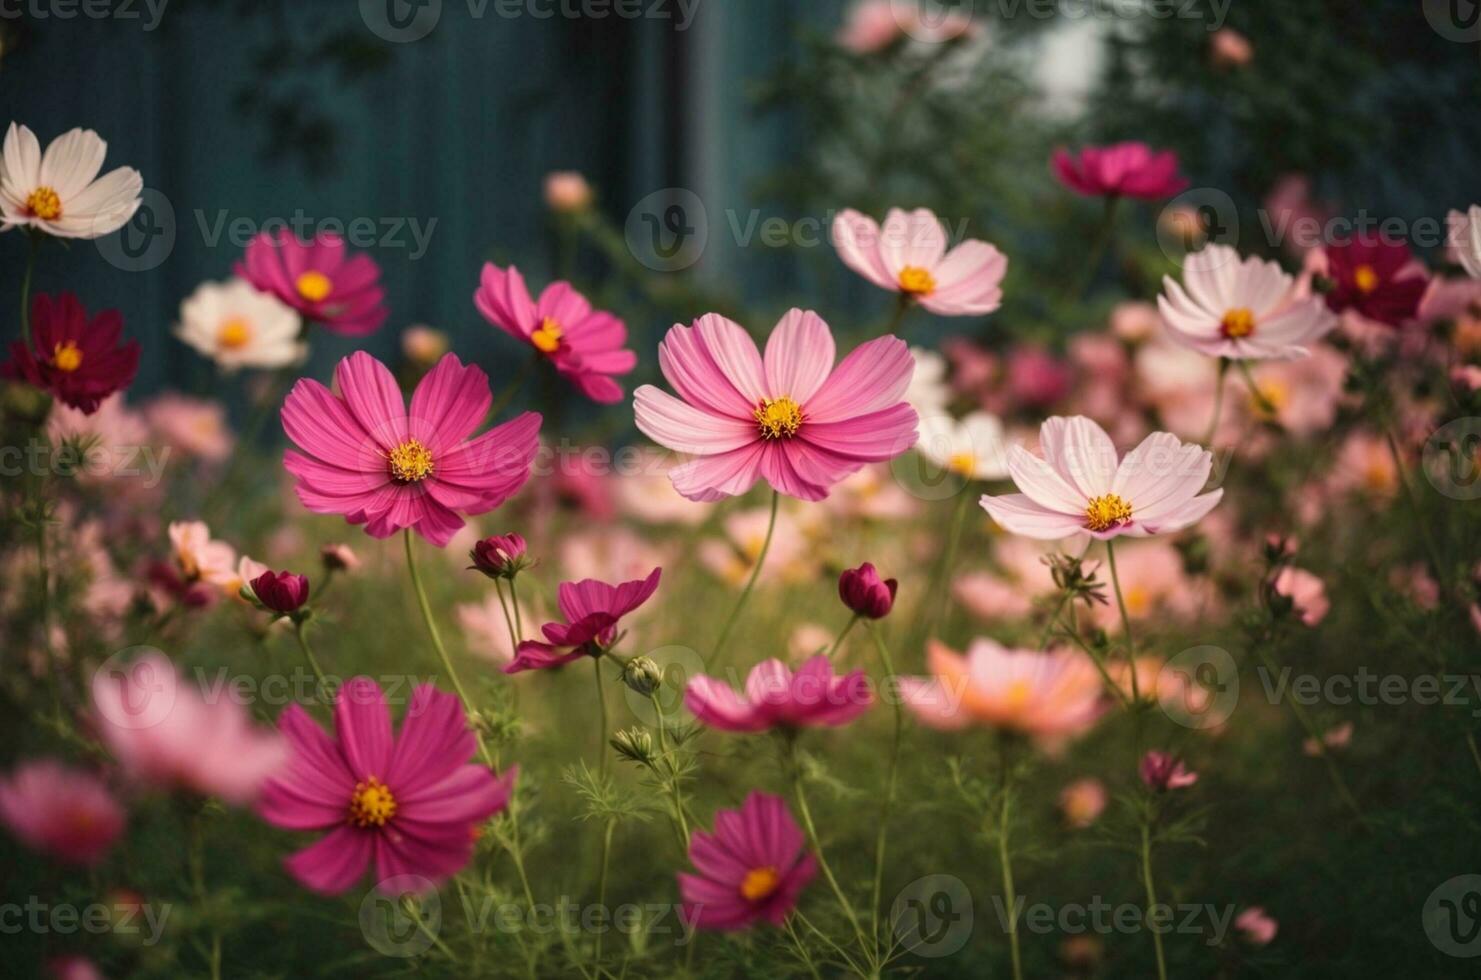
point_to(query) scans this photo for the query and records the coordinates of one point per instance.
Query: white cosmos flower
(1248, 309)
(60, 192)
(237, 326)
(973, 447)
(1465, 239)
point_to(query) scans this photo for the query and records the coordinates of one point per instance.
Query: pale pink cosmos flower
(909, 255)
(319, 279)
(1241, 309)
(115, 435)
(487, 628)
(611, 554)
(1047, 696)
(810, 639)
(791, 419)
(1307, 594)
(583, 344)
(1258, 928)
(367, 456)
(62, 811)
(733, 557)
(165, 732)
(1135, 322)
(1301, 396)
(1153, 581)
(196, 426)
(873, 493)
(1465, 239)
(1083, 801)
(202, 559)
(775, 697)
(647, 494)
(1365, 465)
(1079, 485)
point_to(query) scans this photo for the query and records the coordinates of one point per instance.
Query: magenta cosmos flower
(777, 698)
(583, 344)
(1043, 695)
(1377, 277)
(791, 419)
(909, 256)
(79, 361)
(368, 457)
(1162, 772)
(167, 733)
(592, 610)
(1079, 485)
(281, 592)
(65, 812)
(865, 593)
(1241, 309)
(411, 803)
(1130, 169)
(752, 868)
(319, 279)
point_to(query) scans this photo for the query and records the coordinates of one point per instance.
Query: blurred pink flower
(367, 456)
(775, 697)
(1377, 277)
(871, 26)
(809, 639)
(973, 368)
(909, 255)
(1162, 772)
(1307, 594)
(61, 811)
(1464, 239)
(752, 868)
(873, 493)
(73, 968)
(1339, 737)
(115, 434)
(988, 597)
(609, 554)
(582, 344)
(1257, 928)
(1036, 378)
(409, 802)
(1240, 309)
(1081, 486)
(1365, 465)
(1305, 393)
(1135, 322)
(733, 558)
(647, 493)
(1230, 49)
(1044, 695)
(486, 627)
(1153, 584)
(792, 419)
(195, 426)
(165, 732)
(202, 559)
(1130, 169)
(319, 279)
(1083, 801)
(423, 346)
(567, 192)
(1416, 582)
(1297, 221)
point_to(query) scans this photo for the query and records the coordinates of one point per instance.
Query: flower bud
(862, 590)
(281, 592)
(634, 743)
(643, 675)
(567, 192)
(500, 556)
(338, 558)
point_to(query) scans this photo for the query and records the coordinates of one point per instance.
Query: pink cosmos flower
(319, 280)
(1230, 49)
(592, 610)
(776, 697)
(583, 344)
(1338, 737)
(1044, 695)
(1464, 239)
(1307, 594)
(865, 593)
(752, 868)
(871, 26)
(78, 360)
(73, 968)
(196, 426)
(909, 256)
(1129, 169)
(63, 811)
(368, 457)
(791, 419)
(412, 802)
(1162, 772)
(201, 558)
(500, 556)
(1248, 309)
(1080, 486)
(1258, 928)
(1083, 801)
(165, 732)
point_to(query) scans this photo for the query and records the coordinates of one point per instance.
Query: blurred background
(430, 126)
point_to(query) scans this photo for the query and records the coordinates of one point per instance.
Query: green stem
(812, 837)
(1064, 596)
(940, 581)
(903, 303)
(1213, 423)
(519, 626)
(833, 647)
(750, 584)
(1010, 896)
(1136, 696)
(198, 879)
(681, 822)
(889, 685)
(602, 889)
(35, 246)
(596, 663)
(508, 618)
(447, 664)
(308, 653)
(1261, 402)
(1099, 246)
(412, 910)
(1152, 896)
(1440, 570)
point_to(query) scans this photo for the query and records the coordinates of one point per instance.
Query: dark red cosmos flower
(282, 592)
(79, 361)
(864, 592)
(1376, 277)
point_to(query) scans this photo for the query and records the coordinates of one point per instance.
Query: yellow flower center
(314, 286)
(1365, 278)
(66, 357)
(778, 417)
(411, 461)
(917, 281)
(1103, 512)
(1239, 322)
(234, 333)
(372, 804)
(1018, 693)
(1138, 601)
(44, 203)
(963, 463)
(759, 883)
(1271, 397)
(548, 338)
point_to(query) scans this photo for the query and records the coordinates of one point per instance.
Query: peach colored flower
(1365, 465)
(202, 559)
(1083, 801)
(567, 192)
(1307, 594)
